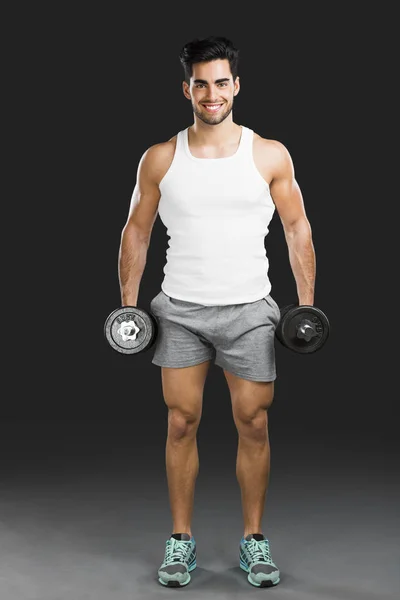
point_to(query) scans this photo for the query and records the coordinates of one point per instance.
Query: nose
(213, 92)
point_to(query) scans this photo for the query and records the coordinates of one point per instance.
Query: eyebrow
(216, 81)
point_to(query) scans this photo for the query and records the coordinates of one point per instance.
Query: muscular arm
(136, 234)
(288, 200)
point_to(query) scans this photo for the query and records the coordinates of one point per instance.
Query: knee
(253, 426)
(182, 424)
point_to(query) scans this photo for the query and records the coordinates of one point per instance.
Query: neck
(202, 133)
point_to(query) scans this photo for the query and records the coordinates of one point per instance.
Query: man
(215, 186)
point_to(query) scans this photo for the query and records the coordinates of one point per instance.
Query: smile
(212, 108)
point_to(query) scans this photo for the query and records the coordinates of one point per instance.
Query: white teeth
(213, 106)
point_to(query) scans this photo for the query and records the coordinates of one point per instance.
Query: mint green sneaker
(255, 559)
(179, 560)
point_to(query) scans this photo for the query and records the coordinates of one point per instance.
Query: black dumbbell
(303, 329)
(130, 330)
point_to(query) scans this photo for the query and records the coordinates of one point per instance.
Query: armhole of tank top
(173, 161)
(253, 164)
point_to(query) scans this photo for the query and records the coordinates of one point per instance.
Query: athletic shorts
(237, 337)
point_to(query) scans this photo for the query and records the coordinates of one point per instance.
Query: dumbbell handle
(306, 330)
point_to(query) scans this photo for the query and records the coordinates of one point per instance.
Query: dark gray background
(83, 502)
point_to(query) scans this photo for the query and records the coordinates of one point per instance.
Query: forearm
(131, 264)
(302, 261)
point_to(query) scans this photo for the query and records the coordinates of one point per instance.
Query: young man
(215, 186)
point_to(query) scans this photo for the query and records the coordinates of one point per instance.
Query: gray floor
(94, 527)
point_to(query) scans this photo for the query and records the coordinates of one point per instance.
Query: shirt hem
(219, 301)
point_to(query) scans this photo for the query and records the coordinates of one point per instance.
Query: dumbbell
(130, 330)
(303, 329)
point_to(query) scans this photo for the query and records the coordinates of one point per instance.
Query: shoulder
(157, 159)
(270, 148)
(161, 151)
(271, 158)
(272, 154)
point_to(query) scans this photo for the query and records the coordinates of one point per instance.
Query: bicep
(145, 199)
(286, 193)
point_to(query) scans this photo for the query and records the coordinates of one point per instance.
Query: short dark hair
(206, 49)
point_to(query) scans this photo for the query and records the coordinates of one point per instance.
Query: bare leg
(250, 402)
(183, 394)
(252, 471)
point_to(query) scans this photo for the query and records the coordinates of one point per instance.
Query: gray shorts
(240, 337)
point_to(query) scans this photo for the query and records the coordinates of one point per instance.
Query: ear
(185, 89)
(236, 86)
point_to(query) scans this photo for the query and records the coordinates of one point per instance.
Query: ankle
(181, 530)
(253, 531)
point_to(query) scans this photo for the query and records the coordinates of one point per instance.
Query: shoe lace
(259, 551)
(176, 550)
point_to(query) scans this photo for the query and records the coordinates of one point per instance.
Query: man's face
(211, 91)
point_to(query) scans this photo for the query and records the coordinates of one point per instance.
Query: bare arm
(136, 234)
(288, 200)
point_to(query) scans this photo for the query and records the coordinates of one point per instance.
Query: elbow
(133, 233)
(300, 227)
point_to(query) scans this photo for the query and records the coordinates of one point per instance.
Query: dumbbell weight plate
(292, 317)
(278, 331)
(130, 330)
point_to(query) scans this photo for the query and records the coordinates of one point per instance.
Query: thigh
(183, 389)
(249, 398)
(246, 343)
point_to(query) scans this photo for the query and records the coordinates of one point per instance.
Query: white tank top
(216, 212)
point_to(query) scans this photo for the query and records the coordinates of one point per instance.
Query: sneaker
(255, 559)
(179, 560)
